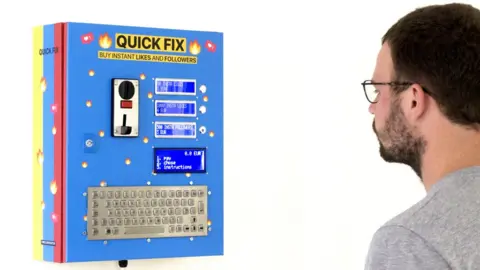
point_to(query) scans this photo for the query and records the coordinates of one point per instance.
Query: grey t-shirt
(440, 232)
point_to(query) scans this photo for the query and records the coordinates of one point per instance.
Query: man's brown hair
(438, 47)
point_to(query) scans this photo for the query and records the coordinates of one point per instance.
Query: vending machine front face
(140, 143)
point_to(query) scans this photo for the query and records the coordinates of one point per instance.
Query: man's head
(426, 80)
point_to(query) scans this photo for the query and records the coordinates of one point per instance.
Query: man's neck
(447, 154)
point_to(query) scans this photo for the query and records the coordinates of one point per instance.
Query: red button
(126, 104)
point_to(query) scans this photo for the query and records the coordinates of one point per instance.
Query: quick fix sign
(150, 43)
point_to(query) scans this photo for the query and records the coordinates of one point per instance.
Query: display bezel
(204, 149)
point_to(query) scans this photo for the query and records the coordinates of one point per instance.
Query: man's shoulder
(396, 247)
(427, 234)
(400, 241)
(457, 192)
(418, 214)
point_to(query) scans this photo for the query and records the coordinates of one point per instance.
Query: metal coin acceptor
(128, 143)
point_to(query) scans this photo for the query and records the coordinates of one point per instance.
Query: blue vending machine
(128, 143)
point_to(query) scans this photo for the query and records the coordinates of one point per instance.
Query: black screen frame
(179, 149)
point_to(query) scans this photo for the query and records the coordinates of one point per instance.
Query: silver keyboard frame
(193, 224)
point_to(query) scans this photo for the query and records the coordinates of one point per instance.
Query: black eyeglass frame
(394, 83)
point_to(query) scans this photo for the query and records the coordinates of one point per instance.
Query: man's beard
(399, 143)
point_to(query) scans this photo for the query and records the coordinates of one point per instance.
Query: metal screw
(89, 143)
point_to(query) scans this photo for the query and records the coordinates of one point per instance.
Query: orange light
(43, 84)
(105, 41)
(40, 156)
(53, 187)
(195, 47)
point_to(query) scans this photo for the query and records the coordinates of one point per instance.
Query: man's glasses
(371, 92)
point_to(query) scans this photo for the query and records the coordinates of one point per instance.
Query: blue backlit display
(175, 87)
(175, 130)
(175, 108)
(180, 160)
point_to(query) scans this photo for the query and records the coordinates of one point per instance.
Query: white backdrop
(304, 183)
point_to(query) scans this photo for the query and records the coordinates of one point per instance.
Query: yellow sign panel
(150, 43)
(178, 59)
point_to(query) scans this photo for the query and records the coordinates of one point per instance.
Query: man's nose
(371, 108)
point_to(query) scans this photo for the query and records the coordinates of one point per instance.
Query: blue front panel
(180, 81)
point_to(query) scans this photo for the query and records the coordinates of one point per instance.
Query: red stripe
(58, 143)
(64, 134)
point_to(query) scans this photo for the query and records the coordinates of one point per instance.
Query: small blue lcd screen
(165, 86)
(175, 108)
(180, 160)
(175, 130)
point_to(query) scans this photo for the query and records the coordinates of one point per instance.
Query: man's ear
(417, 101)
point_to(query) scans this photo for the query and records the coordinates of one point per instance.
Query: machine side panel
(46, 185)
(115, 151)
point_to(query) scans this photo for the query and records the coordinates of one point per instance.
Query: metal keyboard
(146, 212)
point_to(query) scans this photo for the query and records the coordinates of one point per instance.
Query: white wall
(316, 58)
